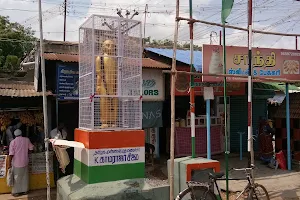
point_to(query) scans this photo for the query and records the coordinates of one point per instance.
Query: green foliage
(15, 41)
(168, 44)
(12, 63)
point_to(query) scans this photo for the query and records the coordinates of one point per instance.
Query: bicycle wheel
(258, 193)
(196, 193)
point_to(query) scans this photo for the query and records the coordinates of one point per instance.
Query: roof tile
(146, 62)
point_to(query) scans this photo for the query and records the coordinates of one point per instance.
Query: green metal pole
(192, 84)
(225, 113)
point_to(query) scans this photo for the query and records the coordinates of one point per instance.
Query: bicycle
(202, 191)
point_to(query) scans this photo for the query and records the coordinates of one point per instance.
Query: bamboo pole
(225, 114)
(45, 111)
(173, 80)
(235, 27)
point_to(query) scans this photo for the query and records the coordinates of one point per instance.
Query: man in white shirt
(59, 132)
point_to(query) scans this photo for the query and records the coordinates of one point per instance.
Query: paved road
(280, 184)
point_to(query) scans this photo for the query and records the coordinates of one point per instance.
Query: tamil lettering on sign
(116, 156)
(38, 162)
(2, 166)
(67, 82)
(182, 86)
(153, 85)
(266, 63)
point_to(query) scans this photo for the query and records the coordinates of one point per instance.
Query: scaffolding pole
(45, 111)
(225, 114)
(173, 80)
(250, 129)
(192, 82)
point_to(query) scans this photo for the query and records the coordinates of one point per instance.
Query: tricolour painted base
(109, 155)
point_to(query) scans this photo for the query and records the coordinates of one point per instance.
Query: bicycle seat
(217, 175)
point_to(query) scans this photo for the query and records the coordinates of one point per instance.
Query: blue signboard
(67, 82)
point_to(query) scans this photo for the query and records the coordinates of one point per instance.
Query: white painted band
(250, 37)
(249, 89)
(249, 138)
(112, 156)
(193, 129)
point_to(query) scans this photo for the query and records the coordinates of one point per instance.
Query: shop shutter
(238, 114)
(260, 109)
(238, 122)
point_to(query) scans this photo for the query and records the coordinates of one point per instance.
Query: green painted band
(98, 174)
(193, 147)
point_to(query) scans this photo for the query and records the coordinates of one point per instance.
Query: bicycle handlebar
(244, 169)
(241, 169)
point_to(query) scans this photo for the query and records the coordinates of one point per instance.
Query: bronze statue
(106, 73)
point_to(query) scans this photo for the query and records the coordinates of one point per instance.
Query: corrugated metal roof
(146, 62)
(274, 86)
(19, 90)
(181, 55)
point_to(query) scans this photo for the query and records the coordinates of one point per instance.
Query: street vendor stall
(183, 141)
(215, 120)
(30, 122)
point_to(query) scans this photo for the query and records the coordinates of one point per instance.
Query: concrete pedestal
(109, 155)
(191, 169)
(73, 188)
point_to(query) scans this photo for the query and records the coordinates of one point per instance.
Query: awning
(277, 99)
(274, 86)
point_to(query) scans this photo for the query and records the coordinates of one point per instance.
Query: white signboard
(37, 162)
(153, 85)
(2, 166)
(116, 156)
(208, 93)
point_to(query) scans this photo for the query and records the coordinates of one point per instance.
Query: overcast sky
(270, 15)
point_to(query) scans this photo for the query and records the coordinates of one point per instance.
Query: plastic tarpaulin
(152, 114)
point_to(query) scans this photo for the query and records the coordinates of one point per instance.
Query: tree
(15, 41)
(168, 44)
(12, 63)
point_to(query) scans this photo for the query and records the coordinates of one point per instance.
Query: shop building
(21, 103)
(236, 106)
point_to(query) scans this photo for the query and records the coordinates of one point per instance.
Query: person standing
(10, 131)
(18, 160)
(61, 134)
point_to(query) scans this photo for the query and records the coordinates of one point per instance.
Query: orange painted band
(110, 139)
(212, 165)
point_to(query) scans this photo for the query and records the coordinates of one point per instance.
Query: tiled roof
(61, 57)
(181, 55)
(150, 63)
(294, 107)
(146, 62)
(17, 86)
(19, 90)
